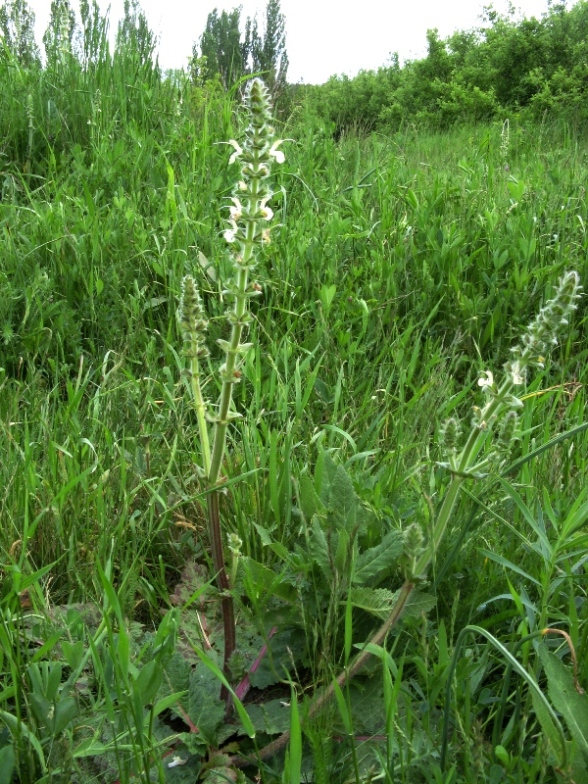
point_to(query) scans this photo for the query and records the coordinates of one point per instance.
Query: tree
(269, 55)
(225, 53)
(93, 36)
(17, 28)
(59, 34)
(220, 44)
(134, 37)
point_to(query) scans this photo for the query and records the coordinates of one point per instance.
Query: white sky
(324, 37)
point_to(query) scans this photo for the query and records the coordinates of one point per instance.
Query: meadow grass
(402, 269)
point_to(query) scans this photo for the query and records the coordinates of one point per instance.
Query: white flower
(230, 234)
(238, 151)
(277, 154)
(266, 212)
(487, 379)
(242, 185)
(236, 210)
(176, 761)
(516, 372)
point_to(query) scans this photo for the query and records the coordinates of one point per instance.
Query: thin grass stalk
(512, 664)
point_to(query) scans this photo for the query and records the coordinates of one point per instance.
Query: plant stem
(222, 582)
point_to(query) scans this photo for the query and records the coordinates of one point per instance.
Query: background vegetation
(426, 213)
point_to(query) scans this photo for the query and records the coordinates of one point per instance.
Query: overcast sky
(324, 37)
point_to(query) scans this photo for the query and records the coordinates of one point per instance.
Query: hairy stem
(222, 582)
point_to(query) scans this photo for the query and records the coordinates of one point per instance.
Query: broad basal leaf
(272, 717)
(343, 500)
(310, 503)
(319, 549)
(205, 708)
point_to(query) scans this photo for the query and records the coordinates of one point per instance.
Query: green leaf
(343, 500)
(566, 699)
(168, 702)
(66, 711)
(6, 764)
(205, 708)
(549, 729)
(418, 603)
(217, 672)
(343, 708)
(377, 601)
(148, 682)
(381, 602)
(90, 747)
(294, 766)
(19, 728)
(499, 559)
(319, 549)
(73, 653)
(308, 498)
(325, 473)
(378, 560)
(261, 582)
(342, 553)
(272, 718)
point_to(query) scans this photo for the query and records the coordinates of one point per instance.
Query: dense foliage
(537, 67)
(403, 268)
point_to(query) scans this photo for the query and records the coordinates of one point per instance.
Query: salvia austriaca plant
(248, 230)
(491, 433)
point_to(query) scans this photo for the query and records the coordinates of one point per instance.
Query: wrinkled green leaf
(343, 500)
(378, 601)
(205, 708)
(378, 560)
(319, 549)
(272, 718)
(419, 603)
(310, 503)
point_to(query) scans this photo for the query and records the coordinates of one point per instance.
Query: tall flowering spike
(500, 408)
(542, 333)
(258, 152)
(247, 232)
(193, 324)
(192, 318)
